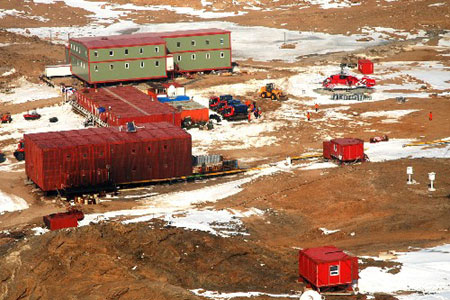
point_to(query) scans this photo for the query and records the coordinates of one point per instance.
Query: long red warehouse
(119, 105)
(97, 156)
(327, 266)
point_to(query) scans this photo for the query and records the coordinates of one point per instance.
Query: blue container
(177, 98)
(240, 109)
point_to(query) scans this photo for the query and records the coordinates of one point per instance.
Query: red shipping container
(365, 66)
(327, 267)
(97, 156)
(196, 111)
(62, 220)
(345, 150)
(119, 105)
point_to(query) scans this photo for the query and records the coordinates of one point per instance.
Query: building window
(96, 53)
(222, 55)
(334, 270)
(96, 68)
(208, 56)
(156, 63)
(111, 52)
(142, 64)
(178, 44)
(111, 67)
(127, 65)
(179, 58)
(221, 41)
(193, 56)
(193, 43)
(126, 51)
(207, 42)
(141, 50)
(156, 49)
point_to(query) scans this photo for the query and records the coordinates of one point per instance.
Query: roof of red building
(106, 135)
(126, 102)
(347, 141)
(325, 254)
(147, 38)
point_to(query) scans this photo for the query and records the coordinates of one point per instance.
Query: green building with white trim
(146, 56)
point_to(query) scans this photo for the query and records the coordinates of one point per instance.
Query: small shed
(327, 267)
(365, 66)
(344, 150)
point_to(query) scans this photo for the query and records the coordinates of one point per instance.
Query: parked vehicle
(33, 115)
(270, 91)
(235, 112)
(6, 118)
(214, 100)
(343, 81)
(19, 153)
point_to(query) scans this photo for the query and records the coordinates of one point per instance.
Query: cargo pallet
(87, 114)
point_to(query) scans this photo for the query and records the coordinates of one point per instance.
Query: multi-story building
(148, 55)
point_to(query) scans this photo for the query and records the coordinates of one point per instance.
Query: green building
(148, 55)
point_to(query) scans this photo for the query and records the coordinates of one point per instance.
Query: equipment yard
(236, 153)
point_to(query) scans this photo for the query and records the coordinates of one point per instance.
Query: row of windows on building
(207, 55)
(194, 43)
(76, 48)
(142, 64)
(126, 51)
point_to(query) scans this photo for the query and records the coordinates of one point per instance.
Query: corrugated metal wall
(94, 156)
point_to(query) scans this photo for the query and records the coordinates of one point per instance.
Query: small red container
(196, 111)
(344, 150)
(365, 66)
(327, 266)
(63, 220)
(119, 105)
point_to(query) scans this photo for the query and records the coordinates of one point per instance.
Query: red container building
(108, 155)
(196, 111)
(119, 105)
(63, 220)
(365, 66)
(344, 150)
(327, 267)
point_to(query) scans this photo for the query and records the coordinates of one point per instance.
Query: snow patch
(9, 203)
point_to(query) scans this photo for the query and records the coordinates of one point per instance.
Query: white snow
(391, 116)
(223, 296)
(425, 272)
(39, 230)
(9, 203)
(7, 73)
(327, 4)
(328, 231)
(26, 91)
(67, 121)
(246, 40)
(393, 149)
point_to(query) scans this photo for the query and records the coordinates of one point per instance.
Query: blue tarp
(101, 109)
(177, 98)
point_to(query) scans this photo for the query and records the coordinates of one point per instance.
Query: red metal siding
(315, 263)
(365, 66)
(95, 156)
(59, 221)
(347, 149)
(327, 149)
(126, 104)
